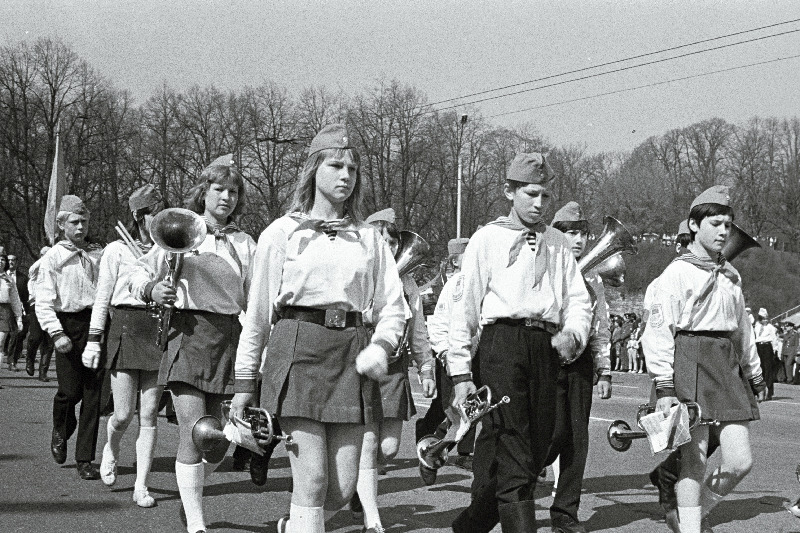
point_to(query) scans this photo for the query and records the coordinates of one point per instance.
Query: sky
(449, 49)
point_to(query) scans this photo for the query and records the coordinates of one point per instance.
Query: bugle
(620, 434)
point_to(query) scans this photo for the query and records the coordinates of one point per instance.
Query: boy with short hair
(522, 285)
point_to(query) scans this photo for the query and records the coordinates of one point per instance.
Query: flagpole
(57, 189)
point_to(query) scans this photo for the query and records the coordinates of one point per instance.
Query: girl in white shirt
(699, 346)
(317, 270)
(133, 356)
(210, 295)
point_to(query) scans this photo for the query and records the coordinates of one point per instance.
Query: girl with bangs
(210, 294)
(133, 357)
(316, 270)
(699, 347)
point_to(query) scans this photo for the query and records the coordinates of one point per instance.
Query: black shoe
(427, 474)
(259, 465)
(29, 368)
(356, 509)
(87, 470)
(565, 524)
(58, 447)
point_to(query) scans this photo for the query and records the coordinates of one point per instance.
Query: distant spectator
(789, 351)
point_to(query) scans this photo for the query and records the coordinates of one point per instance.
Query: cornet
(209, 438)
(178, 231)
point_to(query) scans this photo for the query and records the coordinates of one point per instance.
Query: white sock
(306, 519)
(190, 480)
(689, 518)
(367, 488)
(114, 437)
(709, 499)
(145, 447)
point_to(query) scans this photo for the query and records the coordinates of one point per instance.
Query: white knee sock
(306, 520)
(689, 518)
(709, 499)
(145, 447)
(367, 488)
(114, 437)
(556, 472)
(190, 480)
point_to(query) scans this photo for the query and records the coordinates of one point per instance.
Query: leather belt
(533, 323)
(330, 318)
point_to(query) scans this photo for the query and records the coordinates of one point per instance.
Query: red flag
(58, 186)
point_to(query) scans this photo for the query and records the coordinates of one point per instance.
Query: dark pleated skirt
(201, 351)
(396, 398)
(708, 372)
(310, 372)
(131, 343)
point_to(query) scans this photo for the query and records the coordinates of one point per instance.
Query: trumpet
(178, 231)
(620, 434)
(433, 452)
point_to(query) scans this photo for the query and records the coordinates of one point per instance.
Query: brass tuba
(615, 239)
(738, 241)
(178, 231)
(612, 270)
(410, 255)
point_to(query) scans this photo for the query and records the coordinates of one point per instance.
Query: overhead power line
(631, 58)
(621, 69)
(655, 84)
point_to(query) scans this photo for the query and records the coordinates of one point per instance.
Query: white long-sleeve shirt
(674, 294)
(766, 333)
(493, 289)
(211, 279)
(66, 282)
(439, 321)
(417, 331)
(113, 284)
(600, 335)
(301, 266)
(9, 294)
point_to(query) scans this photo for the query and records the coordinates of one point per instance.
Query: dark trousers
(77, 384)
(571, 439)
(432, 422)
(16, 338)
(788, 368)
(767, 356)
(512, 447)
(669, 471)
(36, 340)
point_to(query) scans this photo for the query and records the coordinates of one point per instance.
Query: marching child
(699, 347)
(522, 284)
(317, 269)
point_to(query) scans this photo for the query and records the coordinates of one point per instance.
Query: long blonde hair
(306, 188)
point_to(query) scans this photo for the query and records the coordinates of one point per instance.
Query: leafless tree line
(409, 153)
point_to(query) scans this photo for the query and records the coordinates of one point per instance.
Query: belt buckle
(529, 322)
(335, 318)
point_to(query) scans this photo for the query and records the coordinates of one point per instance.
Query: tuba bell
(178, 231)
(738, 241)
(615, 239)
(411, 253)
(612, 270)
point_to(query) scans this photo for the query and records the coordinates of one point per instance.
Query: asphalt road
(38, 495)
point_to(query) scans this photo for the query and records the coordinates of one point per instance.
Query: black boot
(519, 517)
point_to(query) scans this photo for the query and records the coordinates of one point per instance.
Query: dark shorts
(310, 372)
(131, 340)
(707, 371)
(201, 351)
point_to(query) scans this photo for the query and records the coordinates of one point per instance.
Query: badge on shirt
(458, 292)
(656, 316)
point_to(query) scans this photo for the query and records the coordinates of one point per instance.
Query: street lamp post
(458, 191)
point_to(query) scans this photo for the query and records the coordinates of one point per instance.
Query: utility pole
(458, 193)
